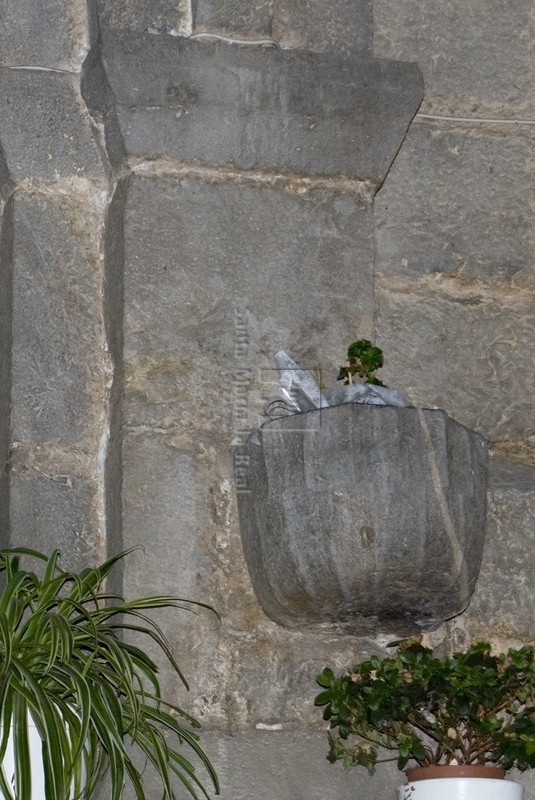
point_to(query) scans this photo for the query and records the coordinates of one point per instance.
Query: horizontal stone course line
(475, 120)
(299, 183)
(39, 68)
(49, 459)
(83, 189)
(265, 42)
(455, 289)
(514, 449)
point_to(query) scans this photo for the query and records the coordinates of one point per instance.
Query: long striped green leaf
(91, 694)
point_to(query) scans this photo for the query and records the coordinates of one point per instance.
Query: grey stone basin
(365, 519)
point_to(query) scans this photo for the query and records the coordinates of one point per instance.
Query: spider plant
(93, 696)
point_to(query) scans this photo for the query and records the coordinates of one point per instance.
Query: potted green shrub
(88, 696)
(462, 712)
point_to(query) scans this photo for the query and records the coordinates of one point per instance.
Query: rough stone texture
(463, 349)
(152, 16)
(45, 130)
(237, 17)
(6, 253)
(293, 766)
(509, 558)
(344, 26)
(185, 384)
(477, 59)
(222, 269)
(183, 233)
(113, 322)
(54, 504)
(364, 519)
(58, 385)
(170, 473)
(457, 202)
(260, 109)
(100, 101)
(55, 35)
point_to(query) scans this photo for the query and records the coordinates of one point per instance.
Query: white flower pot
(36, 758)
(461, 789)
(38, 777)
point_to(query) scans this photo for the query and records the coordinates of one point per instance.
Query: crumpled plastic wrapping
(299, 392)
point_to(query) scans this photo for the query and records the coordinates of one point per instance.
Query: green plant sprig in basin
(363, 360)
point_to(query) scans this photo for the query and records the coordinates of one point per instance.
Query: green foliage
(90, 693)
(468, 708)
(363, 359)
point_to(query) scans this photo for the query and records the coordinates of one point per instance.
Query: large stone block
(153, 16)
(52, 34)
(165, 505)
(293, 766)
(235, 17)
(167, 514)
(283, 764)
(59, 367)
(215, 285)
(258, 108)
(463, 349)
(55, 503)
(477, 59)
(45, 130)
(456, 202)
(504, 601)
(343, 26)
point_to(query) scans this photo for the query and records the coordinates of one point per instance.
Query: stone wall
(175, 208)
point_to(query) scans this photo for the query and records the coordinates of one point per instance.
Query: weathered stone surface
(477, 59)
(188, 356)
(253, 249)
(340, 26)
(58, 369)
(258, 108)
(463, 349)
(292, 766)
(504, 601)
(54, 504)
(286, 765)
(167, 513)
(6, 255)
(153, 16)
(164, 503)
(242, 695)
(236, 16)
(456, 201)
(100, 103)
(54, 34)
(113, 289)
(332, 534)
(45, 130)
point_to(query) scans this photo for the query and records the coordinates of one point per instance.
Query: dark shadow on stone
(100, 101)
(6, 306)
(113, 320)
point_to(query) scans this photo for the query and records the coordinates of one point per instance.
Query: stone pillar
(247, 227)
(61, 367)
